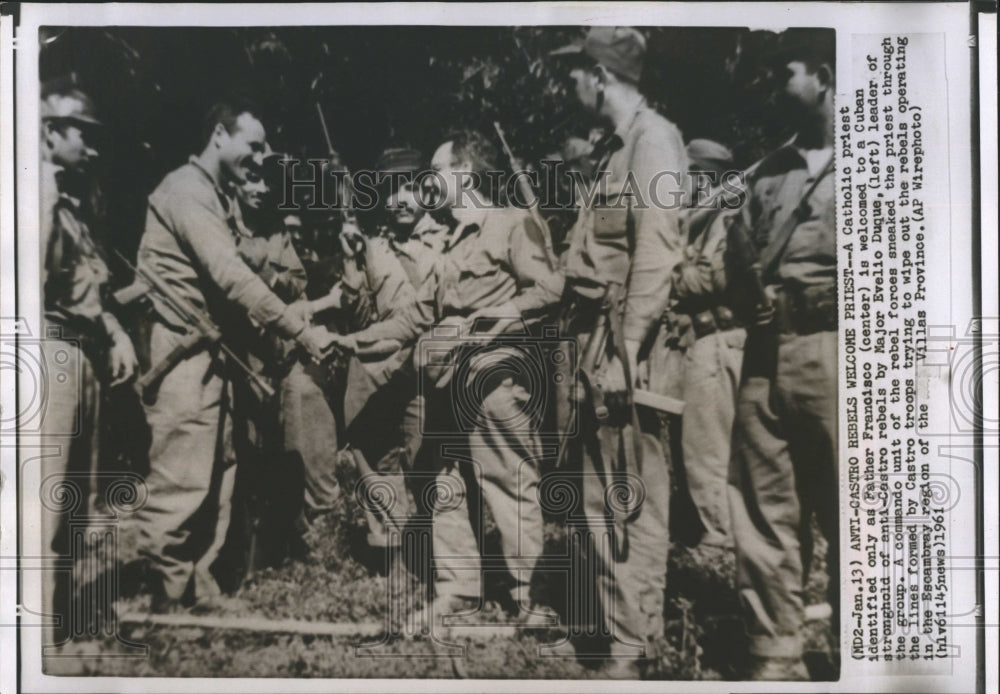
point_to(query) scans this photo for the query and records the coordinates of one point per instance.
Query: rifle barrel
(530, 199)
(326, 132)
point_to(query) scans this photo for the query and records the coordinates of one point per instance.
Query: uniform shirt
(73, 271)
(273, 257)
(489, 260)
(699, 281)
(810, 257)
(387, 279)
(418, 251)
(189, 242)
(647, 154)
(394, 270)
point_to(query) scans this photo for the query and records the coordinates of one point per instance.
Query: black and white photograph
(511, 351)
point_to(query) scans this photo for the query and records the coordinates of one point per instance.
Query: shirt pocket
(611, 213)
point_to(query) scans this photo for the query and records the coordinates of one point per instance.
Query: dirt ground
(348, 583)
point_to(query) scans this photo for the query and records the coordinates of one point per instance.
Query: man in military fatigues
(784, 462)
(629, 237)
(387, 427)
(713, 355)
(293, 436)
(492, 275)
(83, 340)
(415, 237)
(189, 242)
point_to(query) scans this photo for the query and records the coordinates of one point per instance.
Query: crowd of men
(394, 349)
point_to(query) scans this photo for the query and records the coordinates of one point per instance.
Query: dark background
(380, 87)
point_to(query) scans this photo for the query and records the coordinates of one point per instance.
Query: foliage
(379, 87)
(385, 86)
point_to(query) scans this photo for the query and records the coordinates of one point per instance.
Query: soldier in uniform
(414, 236)
(190, 243)
(711, 362)
(784, 459)
(630, 238)
(492, 270)
(299, 428)
(387, 428)
(85, 340)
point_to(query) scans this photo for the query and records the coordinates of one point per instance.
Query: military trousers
(192, 470)
(622, 570)
(711, 379)
(309, 428)
(784, 472)
(388, 433)
(66, 495)
(490, 458)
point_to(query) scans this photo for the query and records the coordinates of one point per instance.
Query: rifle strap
(629, 462)
(775, 248)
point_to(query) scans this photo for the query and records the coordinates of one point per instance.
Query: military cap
(399, 159)
(709, 154)
(271, 167)
(69, 104)
(619, 49)
(811, 46)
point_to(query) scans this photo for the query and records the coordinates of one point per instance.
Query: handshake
(320, 343)
(317, 342)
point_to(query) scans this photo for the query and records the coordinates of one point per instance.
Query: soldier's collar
(470, 220)
(58, 175)
(783, 159)
(219, 191)
(627, 126)
(612, 142)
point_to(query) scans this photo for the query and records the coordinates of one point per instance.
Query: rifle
(593, 355)
(355, 243)
(541, 226)
(348, 214)
(200, 330)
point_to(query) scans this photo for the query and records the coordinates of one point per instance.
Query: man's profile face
(403, 204)
(801, 89)
(800, 82)
(242, 147)
(71, 145)
(293, 227)
(450, 176)
(586, 86)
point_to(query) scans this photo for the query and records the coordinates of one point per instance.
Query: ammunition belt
(713, 320)
(806, 311)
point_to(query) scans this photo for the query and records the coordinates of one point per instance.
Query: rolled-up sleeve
(193, 216)
(288, 275)
(388, 279)
(408, 321)
(659, 160)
